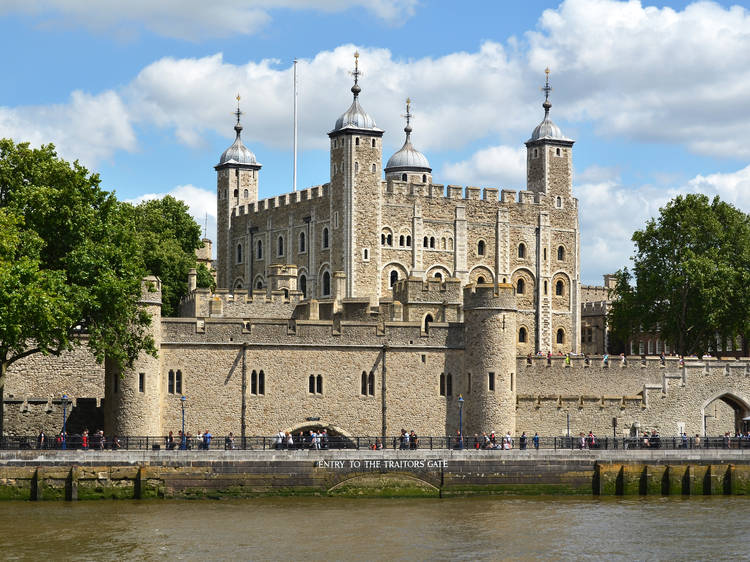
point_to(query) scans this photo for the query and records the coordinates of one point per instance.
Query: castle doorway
(335, 437)
(724, 412)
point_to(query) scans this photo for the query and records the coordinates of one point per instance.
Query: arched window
(401, 240)
(536, 152)
(178, 382)
(373, 168)
(261, 383)
(558, 202)
(522, 335)
(424, 178)
(438, 275)
(520, 287)
(363, 384)
(393, 277)
(373, 143)
(560, 336)
(480, 248)
(432, 241)
(371, 384)
(449, 385)
(560, 253)
(442, 384)
(403, 177)
(311, 384)
(557, 152)
(480, 280)
(170, 382)
(259, 253)
(559, 288)
(382, 238)
(259, 284)
(254, 383)
(450, 243)
(426, 242)
(245, 193)
(239, 253)
(281, 246)
(366, 254)
(303, 285)
(319, 384)
(236, 192)
(356, 141)
(408, 241)
(326, 283)
(301, 241)
(521, 250)
(325, 237)
(442, 243)
(389, 239)
(427, 321)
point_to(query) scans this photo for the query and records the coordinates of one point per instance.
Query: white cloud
(652, 74)
(500, 166)
(87, 128)
(611, 212)
(191, 20)
(201, 204)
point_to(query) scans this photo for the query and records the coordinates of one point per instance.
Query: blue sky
(655, 94)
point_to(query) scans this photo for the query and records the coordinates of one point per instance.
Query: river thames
(480, 528)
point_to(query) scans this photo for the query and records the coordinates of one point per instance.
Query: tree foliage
(69, 262)
(691, 271)
(168, 238)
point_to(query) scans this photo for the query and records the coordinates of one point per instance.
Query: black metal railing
(335, 442)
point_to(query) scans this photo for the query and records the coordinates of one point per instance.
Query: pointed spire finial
(546, 89)
(357, 73)
(237, 126)
(408, 117)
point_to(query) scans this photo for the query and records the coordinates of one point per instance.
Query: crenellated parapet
(287, 200)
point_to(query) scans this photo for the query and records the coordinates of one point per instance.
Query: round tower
(490, 358)
(133, 395)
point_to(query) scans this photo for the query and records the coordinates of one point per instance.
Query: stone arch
(338, 438)
(427, 320)
(259, 279)
(385, 276)
(433, 269)
(561, 302)
(483, 272)
(524, 300)
(386, 236)
(372, 483)
(238, 283)
(738, 403)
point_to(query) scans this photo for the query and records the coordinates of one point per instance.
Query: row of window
(386, 239)
(559, 287)
(523, 335)
(302, 246)
(336, 143)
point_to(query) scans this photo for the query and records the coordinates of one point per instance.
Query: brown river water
(485, 528)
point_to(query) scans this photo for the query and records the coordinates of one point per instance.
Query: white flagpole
(295, 125)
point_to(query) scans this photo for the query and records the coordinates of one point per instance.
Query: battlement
(237, 304)
(392, 187)
(285, 200)
(595, 308)
(415, 290)
(497, 295)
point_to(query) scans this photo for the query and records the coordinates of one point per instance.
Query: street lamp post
(183, 443)
(64, 434)
(567, 421)
(460, 422)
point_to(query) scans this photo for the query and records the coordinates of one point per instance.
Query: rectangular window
(468, 383)
(141, 382)
(449, 385)
(178, 382)
(371, 384)
(253, 383)
(319, 384)
(491, 382)
(442, 384)
(170, 382)
(311, 384)
(512, 376)
(640, 348)
(261, 383)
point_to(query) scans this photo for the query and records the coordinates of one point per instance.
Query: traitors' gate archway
(725, 411)
(337, 437)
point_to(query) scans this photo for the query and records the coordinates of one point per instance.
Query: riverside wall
(75, 475)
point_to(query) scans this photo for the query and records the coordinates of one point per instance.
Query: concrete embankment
(73, 475)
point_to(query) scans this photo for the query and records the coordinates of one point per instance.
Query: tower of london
(382, 300)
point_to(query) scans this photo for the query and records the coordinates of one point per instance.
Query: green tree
(169, 237)
(690, 275)
(70, 263)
